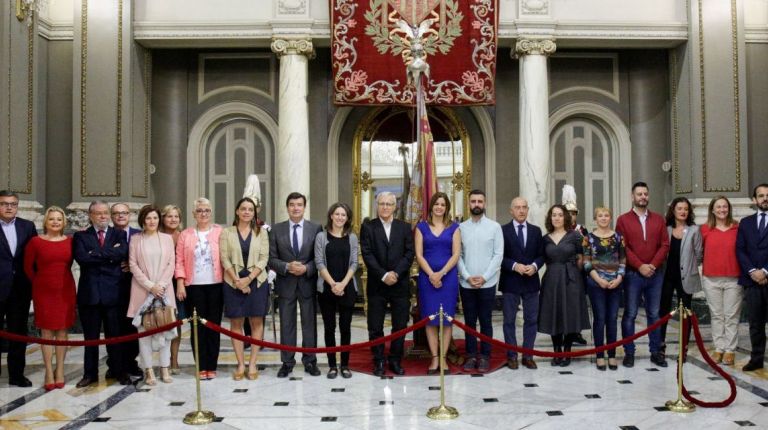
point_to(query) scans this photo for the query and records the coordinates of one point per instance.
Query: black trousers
(757, 314)
(377, 307)
(14, 314)
(92, 318)
(209, 302)
(667, 289)
(329, 306)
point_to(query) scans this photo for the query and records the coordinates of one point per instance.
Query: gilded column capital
(534, 47)
(293, 46)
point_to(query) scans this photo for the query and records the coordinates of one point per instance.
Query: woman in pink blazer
(198, 280)
(152, 262)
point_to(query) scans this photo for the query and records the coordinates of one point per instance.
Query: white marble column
(535, 178)
(292, 152)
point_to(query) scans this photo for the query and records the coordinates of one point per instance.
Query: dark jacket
(751, 249)
(12, 277)
(381, 256)
(511, 281)
(100, 271)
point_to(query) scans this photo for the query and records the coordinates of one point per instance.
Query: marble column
(292, 152)
(535, 178)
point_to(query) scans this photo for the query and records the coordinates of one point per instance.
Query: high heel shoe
(252, 376)
(600, 367)
(612, 364)
(165, 375)
(430, 370)
(238, 375)
(59, 384)
(149, 377)
(49, 387)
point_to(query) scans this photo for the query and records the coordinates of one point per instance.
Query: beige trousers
(724, 297)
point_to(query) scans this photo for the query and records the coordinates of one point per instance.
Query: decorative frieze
(290, 46)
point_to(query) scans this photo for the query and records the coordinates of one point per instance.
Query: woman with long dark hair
(336, 260)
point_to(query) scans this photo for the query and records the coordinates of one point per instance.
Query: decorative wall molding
(30, 112)
(534, 7)
(293, 46)
(50, 30)
(535, 47)
(673, 58)
(292, 7)
(613, 94)
(756, 34)
(146, 80)
(202, 95)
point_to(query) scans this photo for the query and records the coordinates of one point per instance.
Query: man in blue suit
(523, 257)
(752, 253)
(121, 217)
(100, 251)
(15, 288)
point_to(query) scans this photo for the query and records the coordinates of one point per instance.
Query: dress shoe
(312, 369)
(565, 362)
(658, 359)
(59, 384)
(483, 365)
(345, 372)
(717, 357)
(512, 363)
(284, 371)
(378, 368)
(124, 379)
(396, 368)
(86, 381)
(470, 364)
(49, 387)
(729, 358)
(110, 374)
(752, 365)
(600, 364)
(579, 339)
(629, 361)
(612, 364)
(136, 372)
(529, 363)
(556, 361)
(332, 373)
(20, 381)
(211, 374)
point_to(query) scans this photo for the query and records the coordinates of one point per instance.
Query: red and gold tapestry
(380, 47)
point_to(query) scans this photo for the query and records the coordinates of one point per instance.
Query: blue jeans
(478, 303)
(530, 319)
(636, 285)
(605, 310)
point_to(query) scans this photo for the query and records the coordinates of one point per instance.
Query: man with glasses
(121, 217)
(15, 288)
(100, 251)
(387, 248)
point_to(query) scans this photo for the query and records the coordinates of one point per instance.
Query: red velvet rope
(108, 341)
(708, 359)
(526, 351)
(343, 348)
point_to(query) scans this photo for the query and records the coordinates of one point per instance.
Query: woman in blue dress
(438, 246)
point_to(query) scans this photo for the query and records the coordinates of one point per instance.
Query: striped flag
(424, 175)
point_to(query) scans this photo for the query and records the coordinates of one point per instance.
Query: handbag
(157, 315)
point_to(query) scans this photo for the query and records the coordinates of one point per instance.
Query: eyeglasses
(122, 213)
(202, 211)
(386, 204)
(9, 204)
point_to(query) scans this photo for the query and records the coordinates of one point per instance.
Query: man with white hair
(387, 248)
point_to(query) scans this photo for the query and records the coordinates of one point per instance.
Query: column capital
(293, 46)
(534, 47)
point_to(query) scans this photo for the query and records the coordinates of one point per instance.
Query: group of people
(126, 273)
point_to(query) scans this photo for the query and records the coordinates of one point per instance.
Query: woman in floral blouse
(604, 261)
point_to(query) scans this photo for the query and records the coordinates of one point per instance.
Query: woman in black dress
(336, 261)
(562, 304)
(244, 254)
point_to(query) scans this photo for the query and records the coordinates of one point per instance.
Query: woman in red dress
(48, 264)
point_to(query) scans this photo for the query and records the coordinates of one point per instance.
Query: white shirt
(203, 260)
(9, 228)
(643, 218)
(299, 232)
(387, 226)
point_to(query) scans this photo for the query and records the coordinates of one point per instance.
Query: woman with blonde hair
(152, 262)
(720, 271)
(198, 280)
(244, 253)
(171, 224)
(48, 264)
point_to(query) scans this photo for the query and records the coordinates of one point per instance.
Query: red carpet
(362, 361)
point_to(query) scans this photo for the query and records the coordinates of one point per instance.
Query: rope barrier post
(198, 417)
(680, 405)
(442, 412)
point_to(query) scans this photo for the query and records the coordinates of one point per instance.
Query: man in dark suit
(121, 216)
(387, 248)
(523, 257)
(752, 253)
(100, 251)
(292, 257)
(15, 288)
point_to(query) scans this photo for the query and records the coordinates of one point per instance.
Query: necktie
(296, 239)
(101, 238)
(761, 228)
(520, 237)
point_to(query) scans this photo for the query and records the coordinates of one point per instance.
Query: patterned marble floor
(577, 397)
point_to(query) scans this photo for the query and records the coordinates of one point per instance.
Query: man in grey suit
(292, 257)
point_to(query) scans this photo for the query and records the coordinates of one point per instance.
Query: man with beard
(647, 246)
(482, 249)
(752, 253)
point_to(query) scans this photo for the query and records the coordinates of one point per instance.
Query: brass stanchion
(442, 412)
(199, 416)
(681, 405)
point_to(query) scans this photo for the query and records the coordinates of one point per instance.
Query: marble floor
(576, 397)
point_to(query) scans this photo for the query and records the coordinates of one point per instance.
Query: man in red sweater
(647, 246)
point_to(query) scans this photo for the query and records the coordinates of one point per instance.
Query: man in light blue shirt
(482, 249)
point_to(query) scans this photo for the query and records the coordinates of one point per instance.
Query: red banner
(380, 47)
